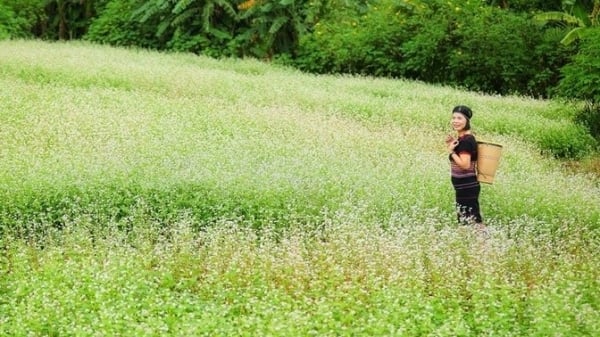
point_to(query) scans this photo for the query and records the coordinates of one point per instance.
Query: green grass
(163, 194)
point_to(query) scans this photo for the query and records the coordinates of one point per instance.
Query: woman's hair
(467, 112)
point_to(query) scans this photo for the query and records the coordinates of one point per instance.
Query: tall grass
(163, 194)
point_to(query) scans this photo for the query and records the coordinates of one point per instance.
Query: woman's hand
(451, 143)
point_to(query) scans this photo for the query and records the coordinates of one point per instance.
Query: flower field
(151, 194)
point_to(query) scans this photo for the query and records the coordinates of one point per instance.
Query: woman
(463, 160)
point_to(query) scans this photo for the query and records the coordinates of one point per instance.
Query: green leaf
(558, 16)
(277, 24)
(221, 34)
(181, 6)
(207, 15)
(573, 35)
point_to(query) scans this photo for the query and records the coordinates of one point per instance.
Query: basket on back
(488, 158)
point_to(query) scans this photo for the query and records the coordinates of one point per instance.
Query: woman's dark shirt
(462, 178)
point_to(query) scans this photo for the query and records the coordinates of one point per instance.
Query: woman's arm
(463, 160)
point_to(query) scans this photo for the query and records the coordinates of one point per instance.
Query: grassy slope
(94, 136)
(78, 118)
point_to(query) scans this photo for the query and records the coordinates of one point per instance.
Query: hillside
(106, 128)
(159, 194)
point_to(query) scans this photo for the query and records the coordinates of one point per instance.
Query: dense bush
(353, 39)
(476, 47)
(215, 28)
(527, 5)
(430, 43)
(22, 19)
(6, 16)
(493, 51)
(69, 20)
(552, 56)
(116, 26)
(566, 142)
(581, 80)
(589, 116)
(48, 19)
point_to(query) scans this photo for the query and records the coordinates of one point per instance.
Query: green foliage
(527, 5)
(465, 43)
(357, 38)
(22, 19)
(214, 27)
(252, 28)
(578, 16)
(567, 142)
(68, 19)
(487, 46)
(6, 16)
(492, 52)
(581, 80)
(275, 27)
(49, 19)
(203, 27)
(479, 48)
(116, 26)
(428, 40)
(589, 117)
(551, 56)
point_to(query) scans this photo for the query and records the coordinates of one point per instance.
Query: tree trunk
(62, 20)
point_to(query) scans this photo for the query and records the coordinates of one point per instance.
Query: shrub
(581, 80)
(476, 47)
(481, 48)
(116, 26)
(68, 20)
(552, 56)
(527, 5)
(589, 117)
(6, 15)
(426, 49)
(21, 19)
(354, 39)
(566, 142)
(493, 51)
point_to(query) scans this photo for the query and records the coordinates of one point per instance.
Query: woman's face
(459, 121)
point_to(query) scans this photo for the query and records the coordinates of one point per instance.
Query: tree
(199, 26)
(274, 26)
(581, 15)
(581, 80)
(69, 19)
